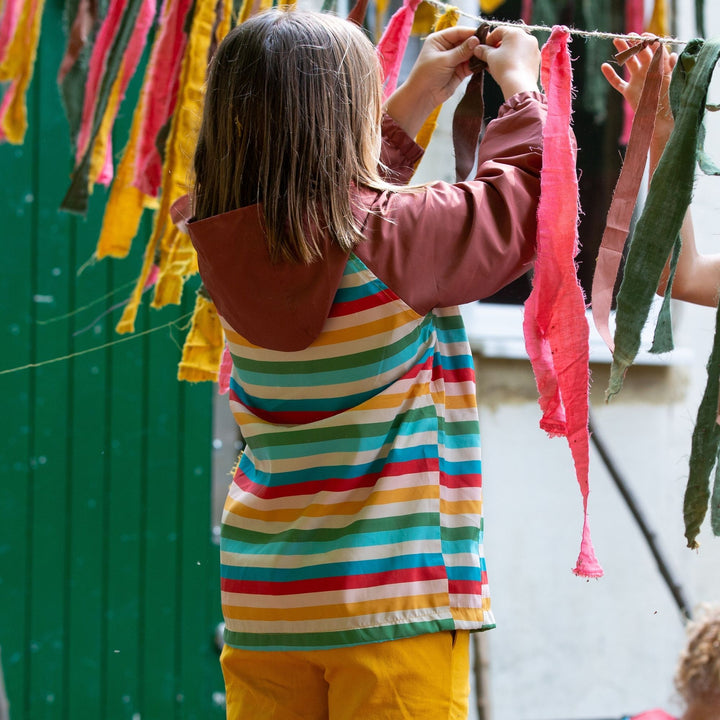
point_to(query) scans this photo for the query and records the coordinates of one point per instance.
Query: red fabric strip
(98, 60)
(392, 44)
(624, 199)
(161, 91)
(555, 326)
(527, 11)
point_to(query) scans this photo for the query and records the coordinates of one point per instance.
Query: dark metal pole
(675, 588)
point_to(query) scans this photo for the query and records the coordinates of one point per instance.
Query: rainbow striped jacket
(355, 513)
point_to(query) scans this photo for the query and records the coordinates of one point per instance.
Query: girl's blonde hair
(292, 123)
(697, 678)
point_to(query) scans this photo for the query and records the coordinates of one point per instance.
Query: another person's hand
(637, 68)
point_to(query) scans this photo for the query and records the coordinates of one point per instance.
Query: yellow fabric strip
(203, 346)
(18, 66)
(126, 203)
(448, 19)
(180, 264)
(659, 22)
(488, 6)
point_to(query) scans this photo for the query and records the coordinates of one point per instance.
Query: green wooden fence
(109, 582)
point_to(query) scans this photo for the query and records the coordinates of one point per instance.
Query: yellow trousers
(419, 678)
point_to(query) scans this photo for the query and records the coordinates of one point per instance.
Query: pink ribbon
(161, 90)
(96, 70)
(8, 24)
(555, 326)
(526, 12)
(392, 44)
(226, 365)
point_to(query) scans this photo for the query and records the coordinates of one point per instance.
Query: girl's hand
(513, 59)
(443, 63)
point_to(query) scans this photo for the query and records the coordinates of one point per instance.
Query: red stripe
(329, 584)
(393, 469)
(365, 303)
(466, 587)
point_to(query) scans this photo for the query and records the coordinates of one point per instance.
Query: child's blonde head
(291, 121)
(697, 678)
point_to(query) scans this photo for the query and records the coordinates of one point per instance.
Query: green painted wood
(109, 580)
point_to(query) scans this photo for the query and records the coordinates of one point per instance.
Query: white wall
(566, 648)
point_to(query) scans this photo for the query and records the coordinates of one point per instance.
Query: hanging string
(545, 28)
(177, 322)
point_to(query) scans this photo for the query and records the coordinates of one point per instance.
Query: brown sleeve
(399, 153)
(449, 244)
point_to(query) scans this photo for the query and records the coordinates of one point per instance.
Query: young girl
(352, 562)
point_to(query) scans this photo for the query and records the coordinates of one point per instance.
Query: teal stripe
(422, 533)
(345, 638)
(333, 535)
(328, 570)
(465, 467)
(313, 474)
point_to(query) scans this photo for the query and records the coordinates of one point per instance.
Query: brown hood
(276, 305)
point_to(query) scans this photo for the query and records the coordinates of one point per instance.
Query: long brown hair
(292, 123)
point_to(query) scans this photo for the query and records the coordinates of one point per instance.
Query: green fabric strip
(663, 338)
(76, 198)
(667, 202)
(715, 500)
(700, 17)
(705, 446)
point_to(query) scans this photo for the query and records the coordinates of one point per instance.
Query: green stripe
(341, 432)
(361, 527)
(340, 638)
(367, 357)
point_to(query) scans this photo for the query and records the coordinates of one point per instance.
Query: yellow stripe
(384, 497)
(320, 612)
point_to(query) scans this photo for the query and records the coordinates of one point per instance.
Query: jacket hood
(277, 305)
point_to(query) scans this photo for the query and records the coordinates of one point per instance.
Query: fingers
(616, 82)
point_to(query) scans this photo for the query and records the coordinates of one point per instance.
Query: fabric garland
(392, 44)
(555, 326)
(667, 202)
(159, 93)
(17, 66)
(623, 202)
(203, 345)
(634, 23)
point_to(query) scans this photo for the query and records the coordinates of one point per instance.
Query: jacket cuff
(514, 102)
(408, 150)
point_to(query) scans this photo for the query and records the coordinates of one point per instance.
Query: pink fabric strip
(527, 11)
(226, 365)
(161, 90)
(555, 326)
(133, 52)
(391, 46)
(634, 23)
(10, 91)
(96, 70)
(624, 199)
(8, 24)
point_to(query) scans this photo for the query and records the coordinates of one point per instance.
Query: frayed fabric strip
(555, 326)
